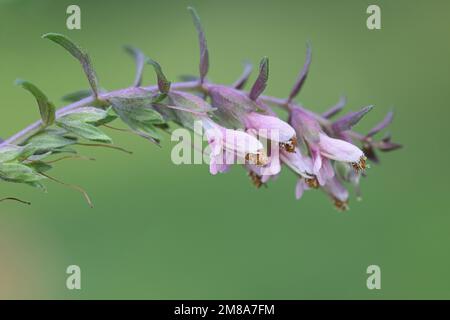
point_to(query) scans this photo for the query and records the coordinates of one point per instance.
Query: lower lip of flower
(360, 165)
(290, 145)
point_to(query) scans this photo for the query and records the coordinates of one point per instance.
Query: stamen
(312, 182)
(341, 205)
(290, 145)
(360, 165)
(256, 179)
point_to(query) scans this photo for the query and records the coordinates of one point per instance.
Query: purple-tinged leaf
(348, 121)
(79, 54)
(302, 75)
(261, 82)
(389, 146)
(336, 108)
(383, 124)
(163, 83)
(232, 105)
(240, 83)
(139, 59)
(204, 55)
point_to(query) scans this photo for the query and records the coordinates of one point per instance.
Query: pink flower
(232, 146)
(237, 109)
(272, 128)
(324, 148)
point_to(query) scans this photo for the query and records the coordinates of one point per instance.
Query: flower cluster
(241, 126)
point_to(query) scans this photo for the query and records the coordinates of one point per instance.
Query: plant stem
(35, 127)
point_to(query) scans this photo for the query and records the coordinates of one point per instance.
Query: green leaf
(10, 152)
(40, 166)
(88, 114)
(79, 54)
(76, 96)
(84, 130)
(46, 108)
(49, 140)
(138, 114)
(38, 157)
(16, 172)
(110, 116)
(163, 83)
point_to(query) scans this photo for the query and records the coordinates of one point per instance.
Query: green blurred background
(161, 231)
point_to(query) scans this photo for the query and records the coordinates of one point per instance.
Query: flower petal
(339, 150)
(297, 162)
(275, 129)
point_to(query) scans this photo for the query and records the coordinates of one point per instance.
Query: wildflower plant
(240, 126)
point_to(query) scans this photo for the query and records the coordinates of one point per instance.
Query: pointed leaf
(40, 166)
(79, 54)
(139, 59)
(89, 114)
(84, 130)
(163, 83)
(349, 120)
(10, 152)
(46, 108)
(240, 83)
(261, 82)
(302, 75)
(389, 146)
(16, 172)
(383, 124)
(204, 55)
(336, 108)
(48, 140)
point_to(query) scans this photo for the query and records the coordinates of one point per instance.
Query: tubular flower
(272, 128)
(231, 146)
(324, 148)
(298, 163)
(239, 110)
(336, 190)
